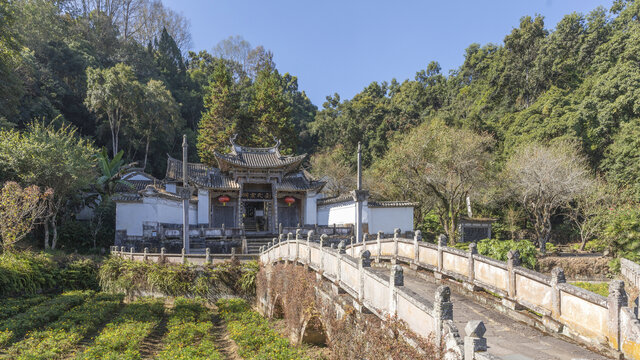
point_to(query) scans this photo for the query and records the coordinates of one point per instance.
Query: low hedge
(211, 281)
(27, 273)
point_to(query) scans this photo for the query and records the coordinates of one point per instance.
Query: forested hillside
(554, 109)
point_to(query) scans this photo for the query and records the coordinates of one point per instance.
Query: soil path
(225, 345)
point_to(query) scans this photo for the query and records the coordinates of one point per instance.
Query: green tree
(220, 121)
(437, 165)
(50, 158)
(622, 159)
(114, 93)
(20, 210)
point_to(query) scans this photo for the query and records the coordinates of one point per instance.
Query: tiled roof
(391, 204)
(299, 182)
(258, 160)
(335, 200)
(136, 185)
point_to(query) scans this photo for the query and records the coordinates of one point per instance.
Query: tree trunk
(146, 153)
(54, 239)
(46, 234)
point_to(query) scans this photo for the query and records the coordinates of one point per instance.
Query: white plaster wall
(387, 219)
(130, 216)
(170, 187)
(341, 213)
(311, 209)
(203, 207)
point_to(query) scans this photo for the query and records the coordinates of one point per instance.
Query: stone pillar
(184, 259)
(442, 310)
(207, 255)
(186, 195)
(323, 237)
(352, 248)
(280, 241)
(379, 251)
(417, 237)
(557, 277)
(474, 341)
(341, 252)
(131, 253)
(471, 270)
(309, 236)
(364, 262)
(396, 235)
(289, 241)
(616, 300)
(145, 255)
(442, 242)
(513, 260)
(162, 251)
(122, 250)
(298, 237)
(396, 278)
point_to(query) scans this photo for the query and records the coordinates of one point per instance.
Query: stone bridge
(437, 290)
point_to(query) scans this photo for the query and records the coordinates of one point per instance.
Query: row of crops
(92, 325)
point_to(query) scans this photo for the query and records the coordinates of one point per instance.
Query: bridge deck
(506, 337)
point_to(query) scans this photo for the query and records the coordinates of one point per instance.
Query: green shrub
(462, 246)
(622, 231)
(12, 307)
(598, 288)
(122, 275)
(252, 333)
(595, 245)
(498, 249)
(27, 273)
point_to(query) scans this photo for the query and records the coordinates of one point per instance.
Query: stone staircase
(254, 243)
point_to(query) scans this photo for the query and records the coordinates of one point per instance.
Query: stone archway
(277, 309)
(313, 331)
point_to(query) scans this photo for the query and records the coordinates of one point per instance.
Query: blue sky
(342, 46)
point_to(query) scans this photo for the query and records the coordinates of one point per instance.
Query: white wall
(386, 219)
(130, 216)
(311, 210)
(203, 207)
(341, 213)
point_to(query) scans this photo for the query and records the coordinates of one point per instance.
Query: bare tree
(20, 210)
(330, 167)
(545, 179)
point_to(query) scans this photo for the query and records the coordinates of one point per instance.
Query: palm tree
(111, 173)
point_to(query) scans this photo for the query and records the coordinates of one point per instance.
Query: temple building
(251, 192)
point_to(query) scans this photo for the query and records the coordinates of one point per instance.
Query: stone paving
(506, 338)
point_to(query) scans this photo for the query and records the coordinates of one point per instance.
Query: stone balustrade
(564, 308)
(631, 271)
(182, 258)
(381, 294)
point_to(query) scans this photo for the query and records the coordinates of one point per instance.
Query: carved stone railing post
(396, 235)
(442, 310)
(442, 242)
(233, 253)
(323, 237)
(145, 255)
(289, 240)
(122, 250)
(471, 270)
(352, 248)
(309, 236)
(131, 253)
(557, 277)
(341, 252)
(162, 251)
(616, 300)
(280, 241)
(207, 256)
(513, 260)
(474, 341)
(396, 278)
(379, 250)
(417, 237)
(298, 237)
(364, 262)
(184, 259)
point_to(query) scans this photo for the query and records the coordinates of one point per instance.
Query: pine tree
(219, 122)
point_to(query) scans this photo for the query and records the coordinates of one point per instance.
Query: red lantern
(224, 199)
(289, 200)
